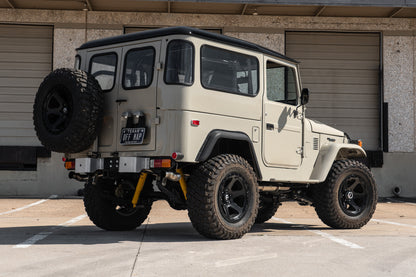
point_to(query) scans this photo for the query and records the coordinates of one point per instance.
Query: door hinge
(299, 150)
(159, 66)
(157, 120)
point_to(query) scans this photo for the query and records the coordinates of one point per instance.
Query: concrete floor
(53, 237)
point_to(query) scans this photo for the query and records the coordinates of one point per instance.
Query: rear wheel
(109, 207)
(223, 197)
(348, 197)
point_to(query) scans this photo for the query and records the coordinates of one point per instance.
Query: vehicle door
(104, 65)
(282, 123)
(137, 97)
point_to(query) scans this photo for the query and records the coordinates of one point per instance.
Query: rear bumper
(122, 164)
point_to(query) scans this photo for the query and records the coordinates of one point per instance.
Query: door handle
(270, 126)
(121, 100)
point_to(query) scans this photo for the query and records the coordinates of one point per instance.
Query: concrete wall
(72, 28)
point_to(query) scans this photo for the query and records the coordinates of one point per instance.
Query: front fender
(333, 152)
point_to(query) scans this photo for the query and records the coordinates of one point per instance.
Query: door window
(103, 68)
(281, 83)
(138, 68)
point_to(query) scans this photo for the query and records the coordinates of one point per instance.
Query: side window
(179, 63)
(103, 68)
(77, 64)
(138, 68)
(281, 83)
(229, 71)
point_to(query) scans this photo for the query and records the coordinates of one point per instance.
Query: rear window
(229, 71)
(138, 68)
(103, 68)
(180, 63)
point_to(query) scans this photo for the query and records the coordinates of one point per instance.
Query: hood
(318, 127)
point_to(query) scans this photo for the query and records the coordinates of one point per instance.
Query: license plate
(132, 136)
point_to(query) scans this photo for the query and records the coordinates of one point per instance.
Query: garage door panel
(25, 59)
(321, 38)
(342, 97)
(22, 98)
(343, 80)
(27, 31)
(336, 64)
(17, 108)
(17, 117)
(18, 73)
(342, 72)
(21, 82)
(27, 66)
(324, 112)
(342, 89)
(8, 91)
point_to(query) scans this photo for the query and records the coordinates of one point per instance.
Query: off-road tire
(103, 213)
(348, 197)
(267, 209)
(68, 110)
(223, 197)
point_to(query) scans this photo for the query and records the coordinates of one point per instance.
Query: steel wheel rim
(233, 200)
(57, 110)
(354, 195)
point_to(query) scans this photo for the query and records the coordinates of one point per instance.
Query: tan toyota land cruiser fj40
(209, 123)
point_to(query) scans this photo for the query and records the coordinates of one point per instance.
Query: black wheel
(68, 110)
(109, 207)
(223, 197)
(267, 208)
(348, 197)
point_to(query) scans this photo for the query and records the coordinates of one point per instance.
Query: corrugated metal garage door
(25, 59)
(342, 72)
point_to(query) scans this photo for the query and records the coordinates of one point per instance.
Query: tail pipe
(78, 177)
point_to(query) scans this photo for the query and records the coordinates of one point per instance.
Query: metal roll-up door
(342, 72)
(25, 59)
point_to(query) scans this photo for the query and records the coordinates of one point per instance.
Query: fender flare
(332, 152)
(215, 135)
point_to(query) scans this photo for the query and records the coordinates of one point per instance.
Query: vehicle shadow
(156, 232)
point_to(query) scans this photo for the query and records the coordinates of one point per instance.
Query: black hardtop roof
(183, 31)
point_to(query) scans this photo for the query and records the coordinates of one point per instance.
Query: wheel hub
(350, 195)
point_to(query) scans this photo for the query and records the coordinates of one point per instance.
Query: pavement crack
(140, 247)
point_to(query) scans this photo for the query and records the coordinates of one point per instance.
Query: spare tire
(68, 110)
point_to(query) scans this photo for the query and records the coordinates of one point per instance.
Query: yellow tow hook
(139, 188)
(182, 182)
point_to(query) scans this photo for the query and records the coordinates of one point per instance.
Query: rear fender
(333, 152)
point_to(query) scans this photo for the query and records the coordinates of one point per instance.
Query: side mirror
(304, 98)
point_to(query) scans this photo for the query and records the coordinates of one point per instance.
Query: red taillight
(63, 159)
(195, 122)
(161, 163)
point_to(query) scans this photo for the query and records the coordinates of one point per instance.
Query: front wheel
(223, 197)
(348, 197)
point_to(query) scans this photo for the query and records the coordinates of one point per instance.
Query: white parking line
(42, 235)
(30, 205)
(325, 235)
(393, 223)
